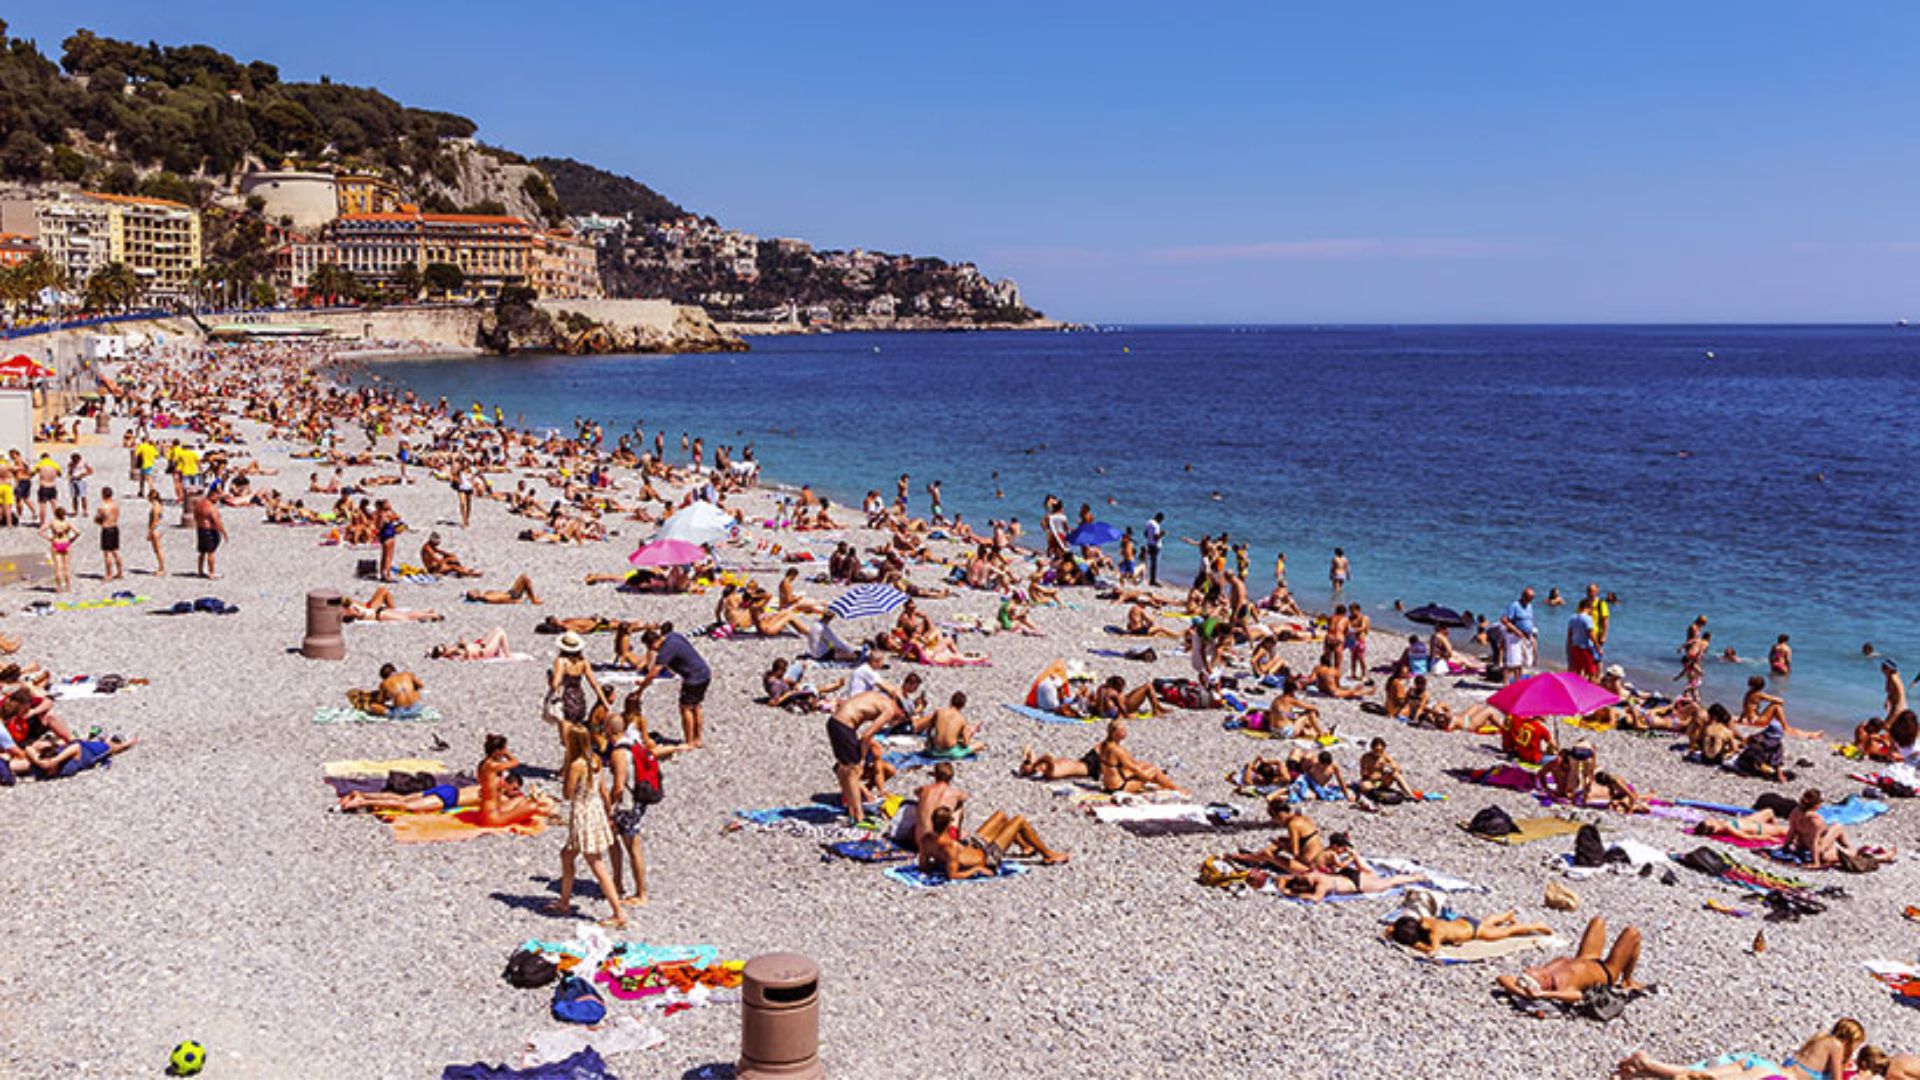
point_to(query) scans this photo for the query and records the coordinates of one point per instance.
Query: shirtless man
(1567, 978)
(398, 695)
(943, 851)
(521, 589)
(1111, 700)
(435, 559)
(933, 797)
(1121, 771)
(850, 733)
(1326, 676)
(108, 518)
(1896, 690)
(946, 727)
(1379, 772)
(208, 531)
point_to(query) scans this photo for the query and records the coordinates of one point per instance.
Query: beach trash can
(780, 1019)
(100, 419)
(324, 617)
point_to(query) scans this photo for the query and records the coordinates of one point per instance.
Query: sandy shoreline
(202, 888)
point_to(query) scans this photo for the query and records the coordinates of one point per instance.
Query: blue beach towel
(1044, 716)
(915, 878)
(1304, 788)
(913, 759)
(1853, 811)
(585, 1065)
(868, 851)
(813, 814)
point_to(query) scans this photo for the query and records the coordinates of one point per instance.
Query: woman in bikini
(571, 677)
(380, 607)
(490, 646)
(1568, 978)
(1823, 1057)
(60, 535)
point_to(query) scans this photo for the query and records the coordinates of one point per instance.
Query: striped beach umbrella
(866, 601)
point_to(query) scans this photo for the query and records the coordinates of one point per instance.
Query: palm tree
(114, 285)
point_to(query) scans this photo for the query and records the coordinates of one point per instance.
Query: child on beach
(588, 833)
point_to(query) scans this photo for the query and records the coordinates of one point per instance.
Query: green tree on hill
(444, 279)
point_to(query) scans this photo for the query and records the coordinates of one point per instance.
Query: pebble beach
(205, 887)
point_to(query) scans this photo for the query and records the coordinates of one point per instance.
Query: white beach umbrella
(700, 523)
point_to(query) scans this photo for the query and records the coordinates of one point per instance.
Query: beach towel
(456, 826)
(1853, 810)
(1531, 829)
(1478, 952)
(915, 878)
(914, 759)
(1749, 843)
(825, 824)
(343, 714)
(1437, 880)
(40, 607)
(86, 687)
(1304, 788)
(867, 851)
(1510, 777)
(1114, 813)
(621, 1035)
(1045, 717)
(368, 767)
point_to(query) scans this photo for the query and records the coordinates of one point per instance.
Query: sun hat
(570, 644)
(1616, 671)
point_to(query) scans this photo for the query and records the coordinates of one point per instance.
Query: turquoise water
(1770, 485)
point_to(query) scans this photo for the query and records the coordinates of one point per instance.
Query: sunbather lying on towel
(1568, 978)
(945, 851)
(51, 758)
(1759, 825)
(1142, 624)
(490, 646)
(380, 607)
(1824, 1057)
(1315, 886)
(1431, 935)
(521, 589)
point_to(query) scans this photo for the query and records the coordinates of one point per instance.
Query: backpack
(1588, 848)
(647, 788)
(576, 1002)
(1707, 861)
(1602, 1003)
(1492, 821)
(527, 969)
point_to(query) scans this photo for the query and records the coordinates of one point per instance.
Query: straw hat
(570, 644)
(1615, 671)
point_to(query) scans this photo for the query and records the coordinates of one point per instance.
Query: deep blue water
(1454, 464)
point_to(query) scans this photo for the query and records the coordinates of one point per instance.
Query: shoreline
(1115, 964)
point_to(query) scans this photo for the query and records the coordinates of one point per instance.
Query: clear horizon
(1716, 163)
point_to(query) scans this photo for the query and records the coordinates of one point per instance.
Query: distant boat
(1900, 324)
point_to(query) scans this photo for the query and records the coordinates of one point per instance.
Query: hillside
(587, 189)
(186, 122)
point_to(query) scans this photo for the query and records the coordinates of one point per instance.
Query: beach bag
(1858, 862)
(647, 788)
(1221, 874)
(527, 969)
(1602, 1003)
(1560, 898)
(576, 1002)
(409, 783)
(1776, 802)
(1588, 848)
(1492, 821)
(1706, 860)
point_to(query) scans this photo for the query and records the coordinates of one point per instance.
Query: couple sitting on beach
(496, 793)
(1109, 762)
(36, 743)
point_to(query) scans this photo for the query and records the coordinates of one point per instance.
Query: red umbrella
(1552, 693)
(23, 367)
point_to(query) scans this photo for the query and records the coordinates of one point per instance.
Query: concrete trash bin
(100, 423)
(780, 1019)
(324, 617)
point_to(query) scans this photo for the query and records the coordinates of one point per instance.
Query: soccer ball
(187, 1059)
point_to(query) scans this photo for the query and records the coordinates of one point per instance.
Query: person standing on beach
(108, 518)
(208, 532)
(1583, 658)
(1521, 637)
(1340, 570)
(1156, 534)
(387, 521)
(60, 534)
(77, 472)
(669, 651)
(46, 479)
(463, 493)
(145, 456)
(155, 510)
(1358, 626)
(1601, 611)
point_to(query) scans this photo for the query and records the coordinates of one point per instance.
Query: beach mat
(915, 878)
(346, 714)
(1134, 812)
(1045, 717)
(1531, 829)
(455, 827)
(1479, 952)
(914, 759)
(370, 767)
(867, 851)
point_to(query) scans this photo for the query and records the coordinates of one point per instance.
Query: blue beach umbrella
(1093, 534)
(866, 601)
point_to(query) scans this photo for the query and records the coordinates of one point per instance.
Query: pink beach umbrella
(1552, 693)
(668, 553)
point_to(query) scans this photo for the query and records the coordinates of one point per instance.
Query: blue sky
(1386, 162)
